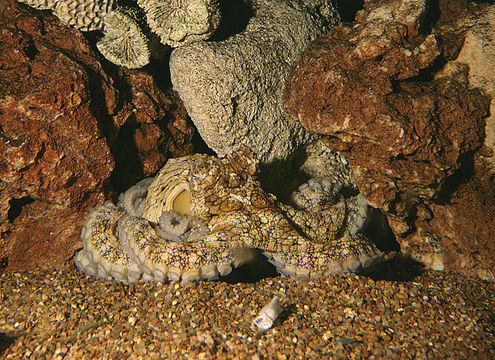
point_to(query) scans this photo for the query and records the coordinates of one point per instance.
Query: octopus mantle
(201, 214)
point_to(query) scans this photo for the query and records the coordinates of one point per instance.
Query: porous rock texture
(59, 111)
(232, 89)
(412, 140)
(477, 29)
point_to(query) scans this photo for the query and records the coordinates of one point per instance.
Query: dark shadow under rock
(258, 268)
(235, 16)
(5, 342)
(396, 268)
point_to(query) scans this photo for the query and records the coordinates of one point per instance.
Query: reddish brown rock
(369, 87)
(457, 234)
(60, 107)
(438, 125)
(54, 160)
(478, 52)
(152, 127)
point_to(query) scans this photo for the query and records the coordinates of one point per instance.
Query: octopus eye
(182, 203)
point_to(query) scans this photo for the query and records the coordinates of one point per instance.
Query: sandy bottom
(395, 312)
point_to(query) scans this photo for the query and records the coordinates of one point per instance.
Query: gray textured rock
(232, 89)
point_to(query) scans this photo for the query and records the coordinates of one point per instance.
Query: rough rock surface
(150, 127)
(232, 89)
(478, 52)
(59, 110)
(411, 140)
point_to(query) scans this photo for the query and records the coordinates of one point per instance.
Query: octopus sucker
(209, 272)
(159, 275)
(334, 267)
(191, 275)
(103, 255)
(224, 269)
(202, 216)
(84, 264)
(178, 260)
(133, 200)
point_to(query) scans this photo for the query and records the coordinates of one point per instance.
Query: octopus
(199, 217)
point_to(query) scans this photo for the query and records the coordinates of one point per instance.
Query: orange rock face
(412, 139)
(69, 122)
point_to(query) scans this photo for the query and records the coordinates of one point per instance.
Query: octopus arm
(311, 260)
(161, 258)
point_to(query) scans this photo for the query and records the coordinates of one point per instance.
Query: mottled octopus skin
(225, 195)
(103, 255)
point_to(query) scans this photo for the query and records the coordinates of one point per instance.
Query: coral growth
(85, 15)
(178, 22)
(232, 89)
(126, 38)
(124, 42)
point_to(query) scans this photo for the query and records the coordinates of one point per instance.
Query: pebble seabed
(68, 315)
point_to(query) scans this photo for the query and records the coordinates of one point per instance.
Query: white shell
(268, 315)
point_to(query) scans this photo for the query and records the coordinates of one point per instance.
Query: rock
(349, 85)
(478, 52)
(410, 138)
(53, 161)
(127, 39)
(359, 62)
(59, 110)
(457, 234)
(152, 126)
(232, 89)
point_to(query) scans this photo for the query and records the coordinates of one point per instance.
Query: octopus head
(222, 185)
(203, 186)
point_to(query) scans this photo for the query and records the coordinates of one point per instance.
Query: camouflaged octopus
(198, 216)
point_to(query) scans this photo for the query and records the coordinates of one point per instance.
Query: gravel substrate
(67, 315)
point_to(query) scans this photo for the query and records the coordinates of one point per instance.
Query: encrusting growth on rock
(126, 39)
(233, 89)
(412, 129)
